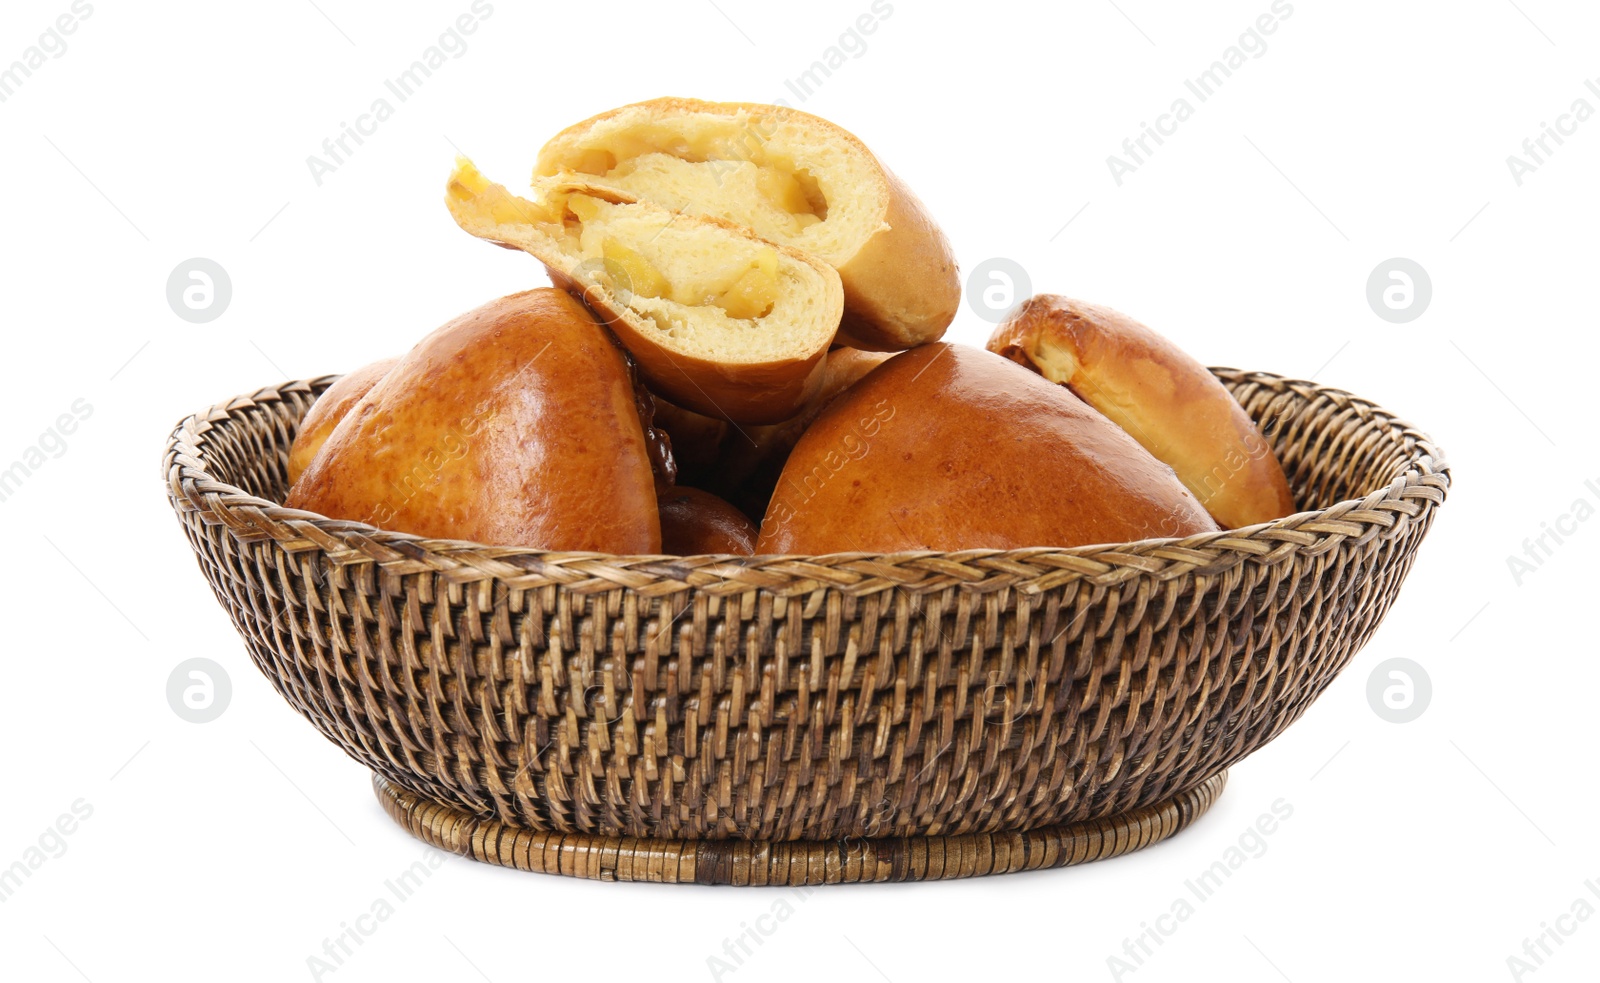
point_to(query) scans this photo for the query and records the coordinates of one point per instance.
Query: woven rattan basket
(804, 720)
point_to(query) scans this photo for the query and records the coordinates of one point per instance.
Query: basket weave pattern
(809, 698)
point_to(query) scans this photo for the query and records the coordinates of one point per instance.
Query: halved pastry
(793, 178)
(719, 320)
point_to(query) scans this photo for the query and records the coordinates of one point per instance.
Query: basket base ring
(797, 863)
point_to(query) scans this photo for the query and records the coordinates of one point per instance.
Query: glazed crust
(515, 424)
(947, 447)
(902, 286)
(698, 523)
(328, 410)
(1170, 403)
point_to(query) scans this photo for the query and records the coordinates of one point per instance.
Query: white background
(1367, 130)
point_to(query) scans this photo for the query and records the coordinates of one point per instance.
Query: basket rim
(1384, 511)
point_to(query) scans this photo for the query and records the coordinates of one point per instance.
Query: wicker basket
(802, 720)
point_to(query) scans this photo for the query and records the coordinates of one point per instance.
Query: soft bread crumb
(810, 186)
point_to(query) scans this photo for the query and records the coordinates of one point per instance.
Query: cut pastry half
(718, 319)
(793, 178)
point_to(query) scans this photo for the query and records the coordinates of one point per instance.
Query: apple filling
(650, 260)
(1055, 362)
(714, 166)
(775, 203)
(741, 278)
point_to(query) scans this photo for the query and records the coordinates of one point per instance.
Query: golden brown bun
(718, 319)
(513, 425)
(946, 447)
(743, 463)
(793, 178)
(328, 410)
(695, 523)
(1164, 399)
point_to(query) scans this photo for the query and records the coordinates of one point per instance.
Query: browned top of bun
(515, 424)
(328, 410)
(696, 523)
(1170, 403)
(946, 447)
